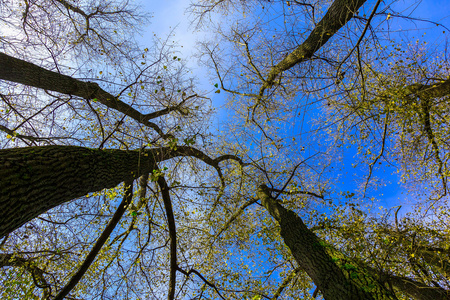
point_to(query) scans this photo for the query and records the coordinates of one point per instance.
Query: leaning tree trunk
(335, 276)
(36, 179)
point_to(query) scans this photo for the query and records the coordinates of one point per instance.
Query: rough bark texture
(336, 277)
(36, 179)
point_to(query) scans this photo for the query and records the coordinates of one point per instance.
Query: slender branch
(29, 137)
(362, 34)
(167, 110)
(249, 55)
(202, 278)
(285, 283)
(289, 180)
(172, 234)
(99, 243)
(431, 138)
(383, 143)
(134, 209)
(118, 124)
(234, 216)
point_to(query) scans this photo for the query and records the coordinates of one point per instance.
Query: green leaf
(216, 85)
(189, 141)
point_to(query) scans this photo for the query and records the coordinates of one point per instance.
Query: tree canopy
(115, 182)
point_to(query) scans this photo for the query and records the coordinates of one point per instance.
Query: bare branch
(100, 242)
(20, 71)
(202, 278)
(172, 234)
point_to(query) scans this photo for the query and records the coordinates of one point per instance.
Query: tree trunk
(335, 276)
(36, 179)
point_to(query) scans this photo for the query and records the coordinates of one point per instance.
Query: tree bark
(36, 179)
(335, 276)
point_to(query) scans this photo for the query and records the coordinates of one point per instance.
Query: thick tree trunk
(36, 179)
(336, 277)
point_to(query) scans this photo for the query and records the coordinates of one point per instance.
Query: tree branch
(13, 260)
(100, 241)
(202, 278)
(19, 71)
(339, 13)
(285, 283)
(172, 234)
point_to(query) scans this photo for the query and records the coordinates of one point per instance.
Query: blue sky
(171, 17)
